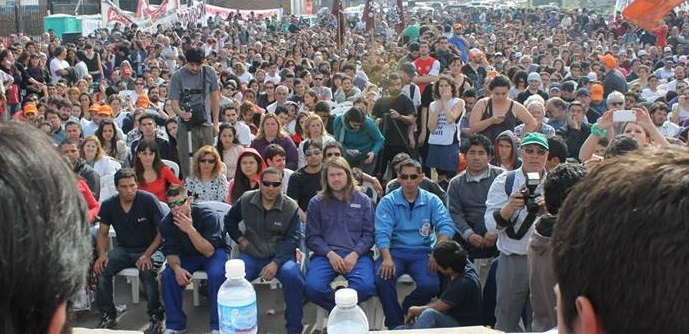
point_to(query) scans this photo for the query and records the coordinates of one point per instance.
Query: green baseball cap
(535, 138)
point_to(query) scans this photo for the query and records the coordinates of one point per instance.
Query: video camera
(529, 191)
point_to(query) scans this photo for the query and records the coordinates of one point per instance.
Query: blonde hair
(313, 118)
(200, 153)
(99, 148)
(350, 188)
(261, 134)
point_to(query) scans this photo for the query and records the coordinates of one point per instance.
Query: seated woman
(113, 146)
(104, 165)
(207, 181)
(152, 174)
(270, 132)
(247, 175)
(314, 131)
(229, 147)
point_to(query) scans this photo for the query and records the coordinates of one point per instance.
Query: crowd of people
(448, 147)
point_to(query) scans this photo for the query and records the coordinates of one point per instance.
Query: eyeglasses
(271, 184)
(177, 203)
(336, 154)
(313, 152)
(207, 161)
(409, 176)
(616, 104)
(540, 151)
(317, 78)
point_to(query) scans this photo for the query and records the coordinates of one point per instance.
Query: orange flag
(647, 13)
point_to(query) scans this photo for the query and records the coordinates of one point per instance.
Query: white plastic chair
(132, 275)
(172, 165)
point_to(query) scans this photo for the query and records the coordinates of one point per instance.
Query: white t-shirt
(445, 133)
(55, 65)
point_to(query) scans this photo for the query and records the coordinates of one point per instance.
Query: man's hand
(183, 222)
(268, 272)
(489, 239)
(100, 264)
(337, 262)
(413, 313)
(515, 203)
(350, 261)
(387, 269)
(540, 200)
(394, 114)
(243, 243)
(182, 276)
(593, 162)
(476, 240)
(422, 138)
(144, 263)
(216, 128)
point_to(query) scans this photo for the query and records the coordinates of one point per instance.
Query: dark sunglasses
(271, 184)
(207, 161)
(410, 176)
(531, 150)
(177, 203)
(333, 155)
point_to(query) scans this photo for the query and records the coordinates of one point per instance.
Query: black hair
(354, 115)
(469, 93)
(621, 242)
(194, 55)
(147, 144)
(124, 173)
(147, 115)
(478, 140)
(620, 145)
(410, 163)
(312, 143)
(499, 81)
(224, 126)
(330, 144)
(273, 150)
(450, 255)
(322, 106)
(113, 141)
(44, 238)
(557, 148)
(558, 183)
(280, 110)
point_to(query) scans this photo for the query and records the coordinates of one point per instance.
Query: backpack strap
(509, 182)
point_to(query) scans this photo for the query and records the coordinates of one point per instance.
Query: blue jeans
(430, 318)
(214, 266)
(414, 263)
(289, 274)
(118, 259)
(321, 273)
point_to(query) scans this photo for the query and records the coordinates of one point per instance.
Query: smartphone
(624, 116)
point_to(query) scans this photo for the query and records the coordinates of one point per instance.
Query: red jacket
(91, 202)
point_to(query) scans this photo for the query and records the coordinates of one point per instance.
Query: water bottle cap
(234, 268)
(346, 297)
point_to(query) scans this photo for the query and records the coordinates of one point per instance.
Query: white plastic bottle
(237, 310)
(347, 317)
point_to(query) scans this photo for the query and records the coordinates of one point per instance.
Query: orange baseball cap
(105, 110)
(609, 60)
(142, 101)
(94, 108)
(597, 92)
(30, 108)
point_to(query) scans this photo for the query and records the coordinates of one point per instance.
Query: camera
(529, 191)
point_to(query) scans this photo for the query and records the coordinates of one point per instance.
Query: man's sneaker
(155, 326)
(172, 331)
(107, 321)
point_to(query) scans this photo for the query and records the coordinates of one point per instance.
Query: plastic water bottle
(347, 317)
(237, 311)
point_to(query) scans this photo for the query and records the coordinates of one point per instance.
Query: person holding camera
(195, 97)
(513, 204)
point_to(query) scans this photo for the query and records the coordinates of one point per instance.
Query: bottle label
(238, 319)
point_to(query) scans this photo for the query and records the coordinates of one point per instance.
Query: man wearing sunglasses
(508, 215)
(192, 240)
(407, 221)
(271, 237)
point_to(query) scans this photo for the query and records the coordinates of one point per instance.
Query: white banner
(90, 23)
(245, 14)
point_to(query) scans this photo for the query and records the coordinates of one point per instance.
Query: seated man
(192, 240)
(339, 230)
(620, 247)
(460, 303)
(272, 236)
(426, 183)
(135, 216)
(407, 220)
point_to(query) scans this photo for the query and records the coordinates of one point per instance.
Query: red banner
(369, 15)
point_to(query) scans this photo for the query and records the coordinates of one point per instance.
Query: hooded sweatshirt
(541, 277)
(516, 161)
(255, 179)
(367, 138)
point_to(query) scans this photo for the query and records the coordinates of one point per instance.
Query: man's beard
(154, 99)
